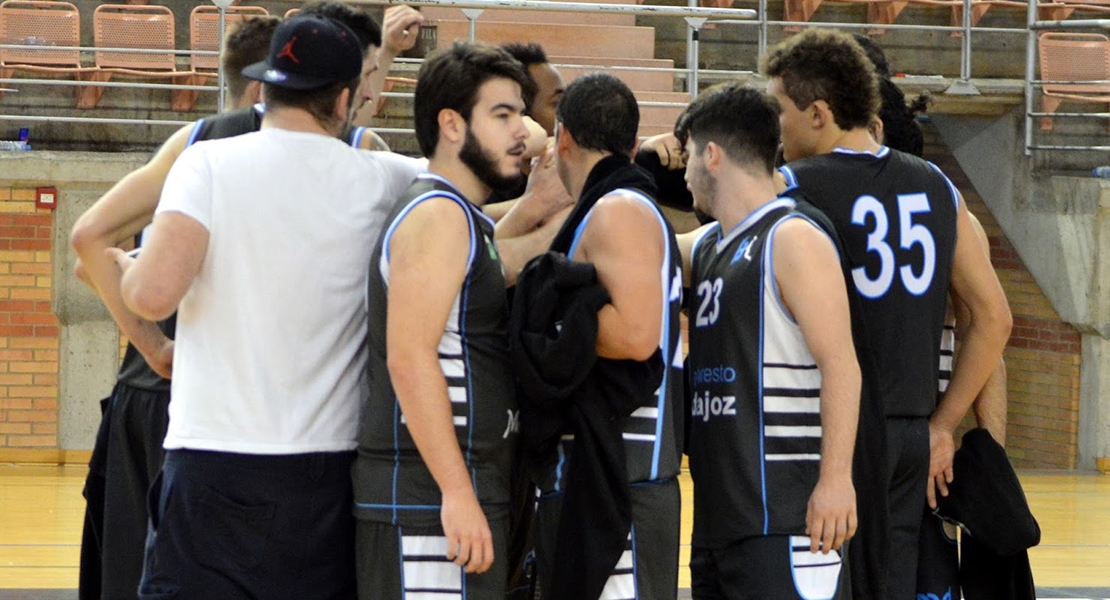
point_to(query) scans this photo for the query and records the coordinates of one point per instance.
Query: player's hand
(545, 190)
(469, 541)
(667, 148)
(122, 259)
(401, 27)
(942, 448)
(831, 514)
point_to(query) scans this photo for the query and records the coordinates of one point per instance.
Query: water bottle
(1102, 172)
(14, 145)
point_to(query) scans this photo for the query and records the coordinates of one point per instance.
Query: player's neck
(453, 170)
(858, 139)
(293, 119)
(741, 195)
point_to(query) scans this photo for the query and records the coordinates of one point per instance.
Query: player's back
(896, 216)
(275, 318)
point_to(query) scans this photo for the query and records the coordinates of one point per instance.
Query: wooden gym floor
(41, 513)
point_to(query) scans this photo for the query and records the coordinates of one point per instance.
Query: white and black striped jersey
(896, 217)
(391, 482)
(652, 432)
(755, 431)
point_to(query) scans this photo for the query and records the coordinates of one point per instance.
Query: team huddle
(385, 386)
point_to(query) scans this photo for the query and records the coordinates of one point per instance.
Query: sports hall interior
(1019, 116)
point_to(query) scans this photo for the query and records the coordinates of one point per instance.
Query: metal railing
(695, 18)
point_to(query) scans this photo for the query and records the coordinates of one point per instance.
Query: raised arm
(975, 285)
(624, 241)
(812, 288)
(427, 265)
(117, 217)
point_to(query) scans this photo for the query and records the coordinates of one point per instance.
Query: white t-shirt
(270, 355)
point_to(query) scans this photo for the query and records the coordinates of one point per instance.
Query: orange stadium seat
(140, 27)
(204, 32)
(1073, 57)
(44, 23)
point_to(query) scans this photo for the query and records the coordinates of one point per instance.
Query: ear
(342, 105)
(252, 94)
(563, 139)
(452, 126)
(821, 115)
(877, 130)
(712, 156)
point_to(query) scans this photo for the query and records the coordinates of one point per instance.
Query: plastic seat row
(44, 25)
(884, 12)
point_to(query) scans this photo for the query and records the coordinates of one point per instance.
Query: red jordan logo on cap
(287, 50)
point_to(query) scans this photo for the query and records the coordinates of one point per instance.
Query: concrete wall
(60, 349)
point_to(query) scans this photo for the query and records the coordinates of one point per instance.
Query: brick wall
(28, 328)
(1042, 357)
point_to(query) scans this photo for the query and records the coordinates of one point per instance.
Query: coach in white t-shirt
(261, 243)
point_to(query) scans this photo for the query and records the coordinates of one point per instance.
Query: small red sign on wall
(46, 197)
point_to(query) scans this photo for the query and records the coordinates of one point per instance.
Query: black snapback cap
(308, 53)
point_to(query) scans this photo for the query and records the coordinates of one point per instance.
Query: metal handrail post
(694, 24)
(963, 85)
(472, 15)
(221, 76)
(1030, 74)
(761, 45)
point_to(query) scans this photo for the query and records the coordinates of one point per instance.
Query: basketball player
(263, 240)
(439, 426)
(908, 240)
(772, 368)
(617, 226)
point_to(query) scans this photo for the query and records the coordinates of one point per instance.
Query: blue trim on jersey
(762, 428)
(665, 339)
(356, 136)
(421, 198)
(194, 133)
(883, 151)
(463, 301)
(396, 452)
(951, 186)
(396, 507)
(752, 218)
(788, 174)
(401, 555)
(770, 257)
(635, 564)
(559, 467)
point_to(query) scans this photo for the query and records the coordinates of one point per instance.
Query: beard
(704, 189)
(485, 166)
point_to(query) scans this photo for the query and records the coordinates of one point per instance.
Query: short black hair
(900, 128)
(600, 113)
(820, 64)
(527, 54)
(246, 43)
(367, 30)
(450, 80)
(743, 121)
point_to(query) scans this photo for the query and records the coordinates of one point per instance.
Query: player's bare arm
(427, 265)
(990, 404)
(975, 285)
(624, 242)
(153, 284)
(686, 243)
(115, 219)
(812, 288)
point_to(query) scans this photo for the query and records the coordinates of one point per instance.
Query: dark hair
(450, 80)
(527, 54)
(900, 128)
(367, 30)
(819, 64)
(320, 102)
(742, 121)
(600, 113)
(874, 53)
(246, 43)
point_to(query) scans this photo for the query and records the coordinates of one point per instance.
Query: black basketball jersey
(896, 216)
(652, 442)
(755, 429)
(391, 482)
(134, 370)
